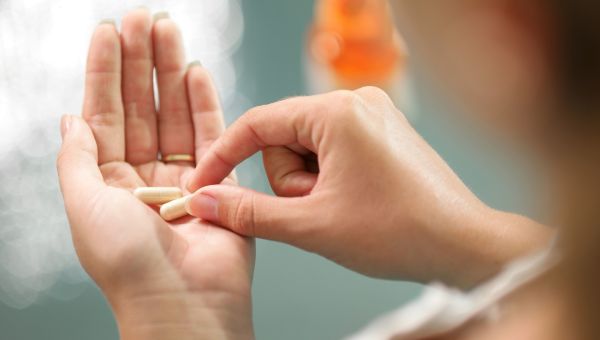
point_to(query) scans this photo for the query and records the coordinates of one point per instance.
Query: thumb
(251, 213)
(77, 162)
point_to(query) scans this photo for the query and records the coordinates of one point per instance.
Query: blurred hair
(578, 26)
(579, 48)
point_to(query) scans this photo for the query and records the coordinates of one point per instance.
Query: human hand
(358, 185)
(185, 279)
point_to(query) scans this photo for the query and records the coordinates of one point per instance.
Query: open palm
(124, 244)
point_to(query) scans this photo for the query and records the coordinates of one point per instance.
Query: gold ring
(178, 157)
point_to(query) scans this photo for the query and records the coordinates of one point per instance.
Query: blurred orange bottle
(353, 43)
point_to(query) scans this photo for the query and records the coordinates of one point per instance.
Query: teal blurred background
(297, 295)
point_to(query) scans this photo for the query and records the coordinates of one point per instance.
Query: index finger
(282, 123)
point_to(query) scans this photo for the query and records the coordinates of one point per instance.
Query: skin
(183, 280)
(492, 59)
(354, 181)
(406, 215)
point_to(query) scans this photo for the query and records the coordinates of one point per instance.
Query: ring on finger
(178, 157)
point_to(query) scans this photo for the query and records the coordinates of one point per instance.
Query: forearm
(182, 315)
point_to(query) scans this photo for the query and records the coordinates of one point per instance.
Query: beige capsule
(174, 209)
(157, 195)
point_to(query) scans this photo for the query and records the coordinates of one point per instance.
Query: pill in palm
(157, 195)
(174, 209)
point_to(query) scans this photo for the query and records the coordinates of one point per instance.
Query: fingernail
(108, 22)
(205, 207)
(160, 15)
(65, 125)
(193, 64)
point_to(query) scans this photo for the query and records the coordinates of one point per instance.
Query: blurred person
(354, 181)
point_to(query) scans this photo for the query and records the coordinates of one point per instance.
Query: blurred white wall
(43, 47)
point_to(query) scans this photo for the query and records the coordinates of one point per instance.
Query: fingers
(207, 115)
(102, 108)
(77, 163)
(138, 92)
(287, 172)
(250, 213)
(283, 123)
(175, 129)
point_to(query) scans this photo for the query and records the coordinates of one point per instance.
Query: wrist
(181, 314)
(515, 236)
(499, 238)
(476, 242)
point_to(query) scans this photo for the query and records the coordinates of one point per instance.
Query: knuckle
(376, 102)
(246, 120)
(242, 217)
(200, 78)
(346, 98)
(142, 147)
(346, 103)
(252, 113)
(375, 95)
(251, 117)
(105, 118)
(372, 92)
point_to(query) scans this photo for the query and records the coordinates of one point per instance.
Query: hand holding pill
(347, 165)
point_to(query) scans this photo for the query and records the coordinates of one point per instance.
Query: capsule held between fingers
(157, 195)
(175, 209)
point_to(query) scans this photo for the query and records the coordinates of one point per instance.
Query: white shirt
(441, 309)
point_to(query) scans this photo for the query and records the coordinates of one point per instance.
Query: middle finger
(175, 129)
